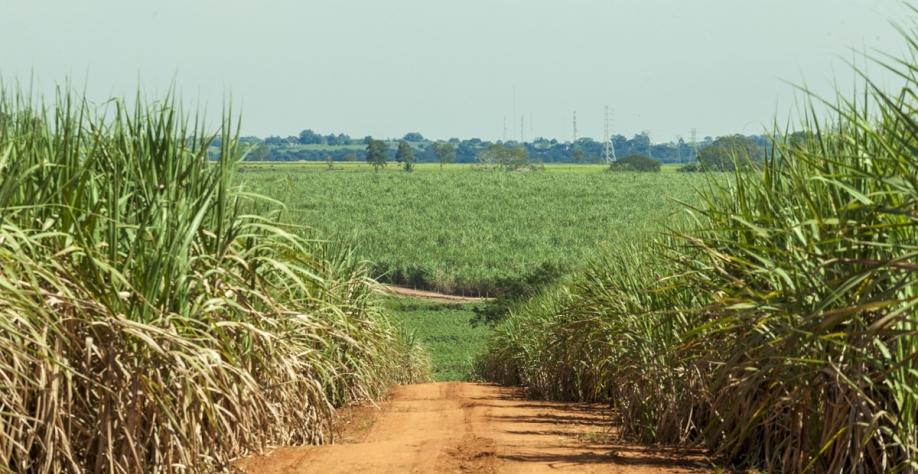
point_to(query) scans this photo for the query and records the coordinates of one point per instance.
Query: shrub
(730, 153)
(505, 157)
(638, 163)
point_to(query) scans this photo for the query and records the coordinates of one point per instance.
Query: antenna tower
(505, 128)
(608, 151)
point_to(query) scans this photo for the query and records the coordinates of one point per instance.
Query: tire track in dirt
(477, 428)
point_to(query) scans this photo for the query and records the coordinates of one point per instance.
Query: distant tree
(413, 137)
(405, 155)
(330, 162)
(377, 153)
(636, 162)
(728, 152)
(445, 152)
(308, 137)
(579, 155)
(259, 152)
(505, 157)
(350, 157)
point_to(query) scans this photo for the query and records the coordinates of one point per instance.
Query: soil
(475, 428)
(433, 296)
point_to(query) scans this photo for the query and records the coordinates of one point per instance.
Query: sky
(457, 68)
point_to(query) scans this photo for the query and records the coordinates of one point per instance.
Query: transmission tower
(505, 128)
(649, 144)
(575, 126)
(678, 149)
(608, 150)
(695, 142)
(522, 129)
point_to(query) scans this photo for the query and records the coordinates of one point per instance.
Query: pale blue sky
(450, 68)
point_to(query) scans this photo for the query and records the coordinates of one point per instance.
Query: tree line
(415, 148)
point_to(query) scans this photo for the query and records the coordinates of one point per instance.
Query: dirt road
(475, 428)
(433, 296)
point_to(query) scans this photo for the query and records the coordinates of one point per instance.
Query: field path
(475, 428)
(432, 295)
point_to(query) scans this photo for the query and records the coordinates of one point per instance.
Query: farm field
(444, 237)
(466, 230)
(445, 330)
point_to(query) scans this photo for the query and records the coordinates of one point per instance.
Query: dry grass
(147, 323)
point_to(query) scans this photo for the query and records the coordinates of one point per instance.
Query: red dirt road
(433, 296)
(476, 428)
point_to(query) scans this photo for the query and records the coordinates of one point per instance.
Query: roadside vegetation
(148, 321)
(777, 325)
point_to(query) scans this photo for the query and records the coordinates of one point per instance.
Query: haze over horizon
(457, 69)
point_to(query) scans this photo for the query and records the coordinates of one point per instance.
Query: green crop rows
(468, 230)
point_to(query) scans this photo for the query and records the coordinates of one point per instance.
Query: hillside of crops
(147, 322)
(777, 326)
(467, 230)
